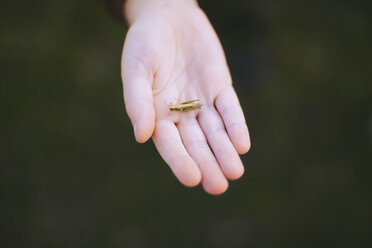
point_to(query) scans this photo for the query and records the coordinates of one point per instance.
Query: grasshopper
(186, 106)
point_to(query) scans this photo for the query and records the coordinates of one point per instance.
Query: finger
(137, 81)
(169, 144)
(220, 143)
(228, 106)
(214, 182)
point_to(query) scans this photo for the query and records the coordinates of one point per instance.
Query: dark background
(71, 174)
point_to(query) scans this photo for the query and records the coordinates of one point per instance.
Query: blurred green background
(71, 174)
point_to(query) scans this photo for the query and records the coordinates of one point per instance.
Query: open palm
(172, 55)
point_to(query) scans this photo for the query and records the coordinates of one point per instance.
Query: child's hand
(172, 54)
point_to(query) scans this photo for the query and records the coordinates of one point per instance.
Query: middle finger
(213, 180)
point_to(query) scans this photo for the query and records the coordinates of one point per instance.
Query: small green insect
(186, 106)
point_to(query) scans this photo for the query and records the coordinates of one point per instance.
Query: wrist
(132, 9)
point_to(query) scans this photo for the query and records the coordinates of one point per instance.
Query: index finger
(169, 144)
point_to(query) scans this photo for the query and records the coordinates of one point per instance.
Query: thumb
(137, 86)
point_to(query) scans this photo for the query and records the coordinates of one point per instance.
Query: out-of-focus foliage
(71, 174)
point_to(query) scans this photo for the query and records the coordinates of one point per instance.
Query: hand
(172, 54)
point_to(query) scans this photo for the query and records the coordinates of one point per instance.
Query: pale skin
(171, 55)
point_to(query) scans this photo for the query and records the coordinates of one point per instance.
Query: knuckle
(198, 143)
(215, 130)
